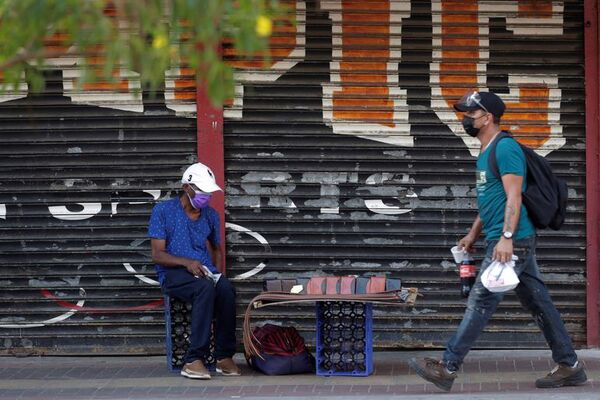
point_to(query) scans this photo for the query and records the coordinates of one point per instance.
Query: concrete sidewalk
(485, 375)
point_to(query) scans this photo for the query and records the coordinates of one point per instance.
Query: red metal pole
(592, 122)
(210, 150)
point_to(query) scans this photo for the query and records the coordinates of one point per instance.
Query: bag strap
(492, 161)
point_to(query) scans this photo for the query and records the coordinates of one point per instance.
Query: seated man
(185, 235)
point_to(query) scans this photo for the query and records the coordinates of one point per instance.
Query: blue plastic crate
(344, 338)
(178, 327)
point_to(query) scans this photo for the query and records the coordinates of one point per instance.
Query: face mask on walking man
(508, 231)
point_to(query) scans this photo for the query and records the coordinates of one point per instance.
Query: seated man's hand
(195, 268)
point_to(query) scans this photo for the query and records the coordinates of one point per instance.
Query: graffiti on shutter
(286, 49)
(363, 97)
(460, 56)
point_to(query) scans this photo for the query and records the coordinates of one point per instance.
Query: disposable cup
(457, 253)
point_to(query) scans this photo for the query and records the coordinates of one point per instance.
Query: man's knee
(525, 298)
(532, 293)
(225, 288)
(482, 300)
(204, 288)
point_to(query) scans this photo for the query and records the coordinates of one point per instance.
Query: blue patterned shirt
(184, 237)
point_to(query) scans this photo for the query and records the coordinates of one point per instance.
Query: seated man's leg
(225, 318)
(201, 294)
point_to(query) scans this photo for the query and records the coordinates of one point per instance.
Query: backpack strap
(492, 162)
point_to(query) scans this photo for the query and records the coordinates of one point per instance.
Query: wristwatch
(507, 235)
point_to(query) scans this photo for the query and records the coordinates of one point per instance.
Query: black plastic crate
(178, 326)
(344, 338)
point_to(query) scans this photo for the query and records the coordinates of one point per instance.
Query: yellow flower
(159, 41)
(264, 26)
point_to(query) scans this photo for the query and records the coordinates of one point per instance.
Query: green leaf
(189, 30)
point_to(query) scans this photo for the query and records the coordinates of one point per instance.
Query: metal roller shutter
(345, 157)
(342, 157)
(80, 174)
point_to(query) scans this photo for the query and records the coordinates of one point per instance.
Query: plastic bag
(500, 277)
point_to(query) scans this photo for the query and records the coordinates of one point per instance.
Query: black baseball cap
(486, 101)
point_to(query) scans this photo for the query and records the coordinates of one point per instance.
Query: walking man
(508, 230)
(185, 237)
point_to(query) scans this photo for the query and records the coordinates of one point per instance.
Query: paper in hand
(208, 273)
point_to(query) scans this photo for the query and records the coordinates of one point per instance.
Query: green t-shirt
(490, 192)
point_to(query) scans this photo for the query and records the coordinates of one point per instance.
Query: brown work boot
(563, 375)
(434, 371)
(195, 370)
(227, 367)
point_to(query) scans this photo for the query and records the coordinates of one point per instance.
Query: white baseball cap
(201, 176)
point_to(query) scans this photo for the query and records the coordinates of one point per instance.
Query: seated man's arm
(216, 255)
(162, 257)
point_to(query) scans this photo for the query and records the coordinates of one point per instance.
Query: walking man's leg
(534, 296)
(480, 306)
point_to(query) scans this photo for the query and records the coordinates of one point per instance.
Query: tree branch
(25, 55)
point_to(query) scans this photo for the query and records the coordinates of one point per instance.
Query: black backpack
(546, 195)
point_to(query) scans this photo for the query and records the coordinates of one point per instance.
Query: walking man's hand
(503, 251)
(467, 243)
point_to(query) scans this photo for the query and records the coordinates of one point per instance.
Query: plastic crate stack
(344, 338)
(178, 324)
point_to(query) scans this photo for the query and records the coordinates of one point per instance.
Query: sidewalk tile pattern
(130, 378)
